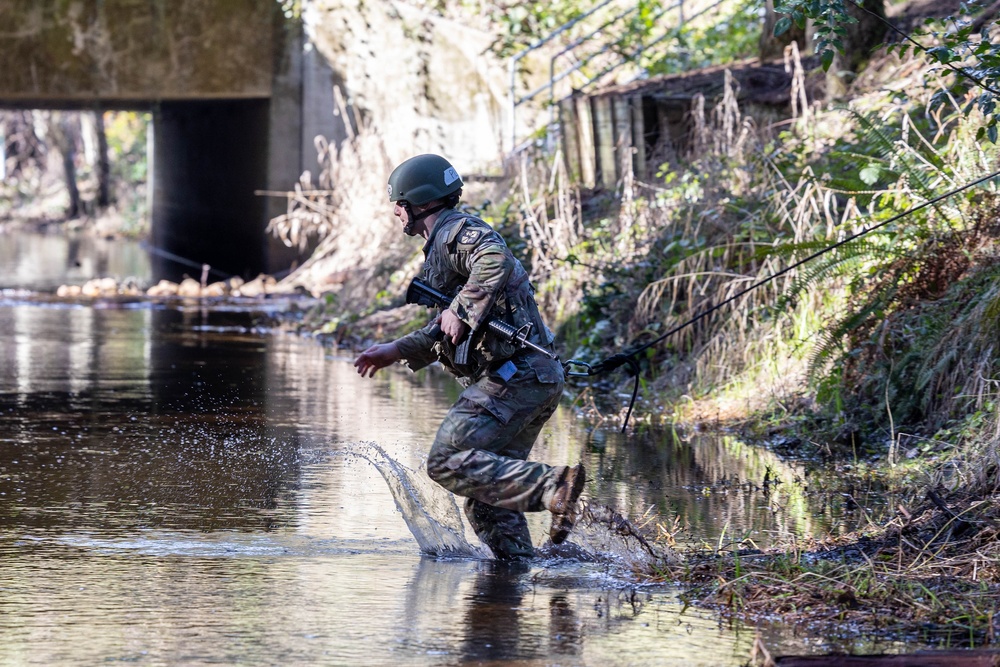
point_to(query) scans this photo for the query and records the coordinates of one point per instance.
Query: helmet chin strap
(412, 219)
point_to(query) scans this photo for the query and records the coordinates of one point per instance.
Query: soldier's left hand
(452, 326)
(376, 357)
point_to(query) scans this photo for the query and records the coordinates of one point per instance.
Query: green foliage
(968, 61)
(733, 36)
(892, 355)
(939, 341)
(978, 82)
(640, 36)
(524, 23)
(829, 18)
(126, 134)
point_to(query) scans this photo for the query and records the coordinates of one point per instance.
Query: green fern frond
(921, 168)
(844, 260)
(833, 338)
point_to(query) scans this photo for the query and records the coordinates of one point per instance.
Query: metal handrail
(552, 65)
(634, 54)
(556, 78)
(512, 65)
(569, 47)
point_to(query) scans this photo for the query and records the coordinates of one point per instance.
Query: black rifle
(423, 294)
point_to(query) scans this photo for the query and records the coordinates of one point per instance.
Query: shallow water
(180, 486)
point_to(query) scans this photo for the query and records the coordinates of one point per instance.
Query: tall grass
(895, 326)
(656, 254)
(360, 249)
(747, 201)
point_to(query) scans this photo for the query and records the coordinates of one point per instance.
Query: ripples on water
(179, 487)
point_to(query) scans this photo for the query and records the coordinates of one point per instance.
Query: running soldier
(511, 390)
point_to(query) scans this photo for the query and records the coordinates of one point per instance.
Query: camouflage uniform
(481, 447)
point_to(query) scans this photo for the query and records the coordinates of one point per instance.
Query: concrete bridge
(230, 88)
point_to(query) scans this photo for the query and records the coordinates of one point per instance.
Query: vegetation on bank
(74, 168)
(882, 350)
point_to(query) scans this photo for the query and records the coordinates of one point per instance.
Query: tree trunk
(103, 168)
(64, 134)
(859, 41)
(773, 48)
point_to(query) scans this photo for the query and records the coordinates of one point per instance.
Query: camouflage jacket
(464, 257)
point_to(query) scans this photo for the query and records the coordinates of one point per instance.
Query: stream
(180, 484)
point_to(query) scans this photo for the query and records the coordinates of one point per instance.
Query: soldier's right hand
(376, 357)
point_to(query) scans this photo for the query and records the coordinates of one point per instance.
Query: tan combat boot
(562, 502)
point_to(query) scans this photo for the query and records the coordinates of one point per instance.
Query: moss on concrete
(122, 50)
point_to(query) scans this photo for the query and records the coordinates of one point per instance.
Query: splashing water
(430, 512)
(611, 537)
(601, 534)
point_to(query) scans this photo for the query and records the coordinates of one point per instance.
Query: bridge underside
(225, 81)
(208, 158)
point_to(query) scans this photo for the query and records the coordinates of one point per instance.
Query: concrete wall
(57, 52)
(239, 94)
(423, 82)
(225, 82)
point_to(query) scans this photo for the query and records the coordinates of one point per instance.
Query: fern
(844, 260)
(832, 345)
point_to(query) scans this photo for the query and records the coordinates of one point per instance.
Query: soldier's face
(405, 215)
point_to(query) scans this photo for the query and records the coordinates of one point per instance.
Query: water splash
(608, 536)
(435, 520)
(430, 512)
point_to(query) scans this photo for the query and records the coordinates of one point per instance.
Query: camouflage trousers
(481, 449)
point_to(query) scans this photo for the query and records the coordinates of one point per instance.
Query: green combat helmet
(423, 178)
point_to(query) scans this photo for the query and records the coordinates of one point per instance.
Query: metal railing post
(555, 75)
(512, 66)
(514, 102)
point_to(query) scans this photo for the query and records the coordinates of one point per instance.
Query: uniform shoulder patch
(469, 235)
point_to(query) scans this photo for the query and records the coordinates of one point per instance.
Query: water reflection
(176, 487)
(42, 262)
(97, 418)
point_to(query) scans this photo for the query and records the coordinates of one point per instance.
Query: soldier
(510, 391)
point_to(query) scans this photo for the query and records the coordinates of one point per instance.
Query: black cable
(979, 82)
(811, 257)
(148, 247)
(628, 358)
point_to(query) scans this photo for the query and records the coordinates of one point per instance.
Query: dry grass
(936, 565)
(932, 569)
(360, 249)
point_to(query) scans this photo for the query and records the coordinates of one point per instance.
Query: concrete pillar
(211, 155)
(286, 157)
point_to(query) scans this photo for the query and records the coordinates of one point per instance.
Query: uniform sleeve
(489, 265)
(416, 348)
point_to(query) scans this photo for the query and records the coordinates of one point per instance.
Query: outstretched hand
(376, 357)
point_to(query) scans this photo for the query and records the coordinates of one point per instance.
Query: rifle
(423, 294)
